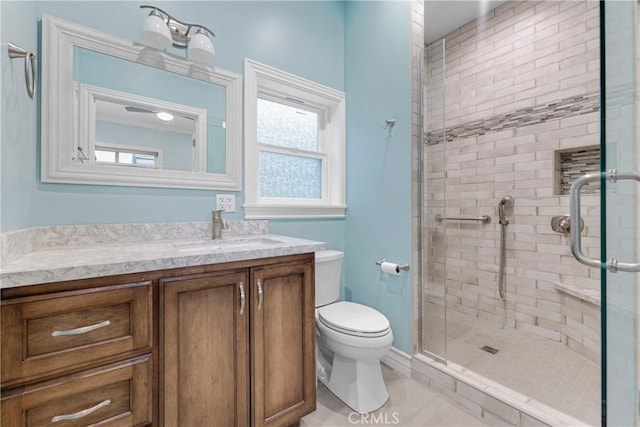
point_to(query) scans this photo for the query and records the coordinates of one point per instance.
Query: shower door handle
(613, 265)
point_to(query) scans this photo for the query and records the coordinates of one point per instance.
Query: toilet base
(359, 384)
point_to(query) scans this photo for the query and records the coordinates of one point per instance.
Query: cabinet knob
(260, 293)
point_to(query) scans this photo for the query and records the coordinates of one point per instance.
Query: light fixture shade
(155, 32)
(200, 48)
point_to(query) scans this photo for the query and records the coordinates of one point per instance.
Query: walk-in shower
(511, 118)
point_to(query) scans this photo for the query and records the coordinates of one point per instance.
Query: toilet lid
(354, 319)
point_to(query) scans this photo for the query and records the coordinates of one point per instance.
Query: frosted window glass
(283, 175)
(286, 126)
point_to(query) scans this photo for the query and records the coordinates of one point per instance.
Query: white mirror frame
(60, 162)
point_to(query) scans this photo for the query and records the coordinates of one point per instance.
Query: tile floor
(410, 404)
(546, 370)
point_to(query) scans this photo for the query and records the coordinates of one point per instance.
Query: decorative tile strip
(567, 107)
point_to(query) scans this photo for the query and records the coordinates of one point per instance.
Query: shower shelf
(588, 295)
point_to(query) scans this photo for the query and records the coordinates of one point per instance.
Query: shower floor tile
(543, 369)
(410, 404)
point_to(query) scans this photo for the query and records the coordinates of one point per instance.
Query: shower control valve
(562, 224)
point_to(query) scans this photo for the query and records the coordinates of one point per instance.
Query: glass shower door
(433, 301)
(620, 212)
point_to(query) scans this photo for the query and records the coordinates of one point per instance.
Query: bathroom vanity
(226, 343)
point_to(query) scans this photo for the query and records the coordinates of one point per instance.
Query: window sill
(263, 211)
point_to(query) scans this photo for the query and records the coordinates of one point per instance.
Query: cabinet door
(204, 337)
(282, 343)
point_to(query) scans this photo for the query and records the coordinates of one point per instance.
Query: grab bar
(485, 219)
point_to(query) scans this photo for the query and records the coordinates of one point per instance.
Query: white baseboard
(399, 361)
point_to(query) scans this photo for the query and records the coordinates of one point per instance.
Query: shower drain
(489, 349)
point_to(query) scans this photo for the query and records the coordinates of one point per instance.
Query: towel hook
(16, 51)
(389, 123)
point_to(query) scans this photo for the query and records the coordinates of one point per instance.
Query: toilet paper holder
(404, 267)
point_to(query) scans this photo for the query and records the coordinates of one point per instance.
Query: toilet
(351, 339)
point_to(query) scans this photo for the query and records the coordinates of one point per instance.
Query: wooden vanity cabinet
(228, 344)
(238, 345)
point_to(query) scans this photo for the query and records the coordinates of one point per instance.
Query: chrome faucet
(217, 224)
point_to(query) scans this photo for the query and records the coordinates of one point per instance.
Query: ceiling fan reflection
(162, 115)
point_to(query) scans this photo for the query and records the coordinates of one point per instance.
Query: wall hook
(388, 124)
(16, 51)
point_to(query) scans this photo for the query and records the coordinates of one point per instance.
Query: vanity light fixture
(161, 30)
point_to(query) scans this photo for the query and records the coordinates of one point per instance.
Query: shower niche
(572, 164)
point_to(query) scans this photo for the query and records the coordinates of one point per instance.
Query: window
(294, 146)
(127, 155)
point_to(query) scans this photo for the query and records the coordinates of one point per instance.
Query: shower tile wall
(521, 86)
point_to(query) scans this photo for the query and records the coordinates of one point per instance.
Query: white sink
(252, 242)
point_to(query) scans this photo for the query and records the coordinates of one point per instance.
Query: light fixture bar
(180, 30)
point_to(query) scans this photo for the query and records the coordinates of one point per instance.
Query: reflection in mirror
(152, 108)
(133, 123)
(175, 136)
(162, 140)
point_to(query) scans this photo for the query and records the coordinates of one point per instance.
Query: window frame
(263, 81)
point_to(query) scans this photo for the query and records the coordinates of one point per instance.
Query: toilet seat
(354, 319)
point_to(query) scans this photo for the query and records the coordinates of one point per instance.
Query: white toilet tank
(328, 269)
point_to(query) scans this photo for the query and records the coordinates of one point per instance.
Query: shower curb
(398, 361)
(488, 401)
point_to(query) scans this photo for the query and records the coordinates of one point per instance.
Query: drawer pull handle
(242, 297)
(260, 293)
(82, 413)
(82, 330)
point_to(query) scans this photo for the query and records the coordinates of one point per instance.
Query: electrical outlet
(227, 202)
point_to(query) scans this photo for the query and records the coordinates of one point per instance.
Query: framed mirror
(115, 112)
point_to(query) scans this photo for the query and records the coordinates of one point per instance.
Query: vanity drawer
(115, 395)
(48, 335)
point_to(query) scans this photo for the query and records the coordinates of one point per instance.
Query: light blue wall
(18, 119)
(360, 47)
(378, 225)
(304, 38)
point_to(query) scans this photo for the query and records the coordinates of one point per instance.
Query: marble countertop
(86, 260)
